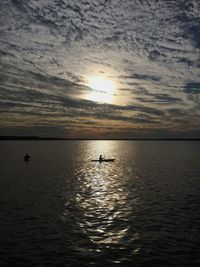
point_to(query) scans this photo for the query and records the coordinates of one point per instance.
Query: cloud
(149, 48)
(27, 94)
(137, 76)
(160, 99)
(192, 88)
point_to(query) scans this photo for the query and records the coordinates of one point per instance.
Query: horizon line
(39, 138)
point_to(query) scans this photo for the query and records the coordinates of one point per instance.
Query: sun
(102, 89)
(101, 84)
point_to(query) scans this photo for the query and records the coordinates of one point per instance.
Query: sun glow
(102, 89)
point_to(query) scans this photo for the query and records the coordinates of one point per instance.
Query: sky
(100, 68)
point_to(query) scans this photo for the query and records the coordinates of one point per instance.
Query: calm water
(61, 209)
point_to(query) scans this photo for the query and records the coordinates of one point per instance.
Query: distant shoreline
(37, 138)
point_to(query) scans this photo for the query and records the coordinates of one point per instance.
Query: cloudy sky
(100, 68)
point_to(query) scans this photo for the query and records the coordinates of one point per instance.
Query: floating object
(27, 157)
(102, 160)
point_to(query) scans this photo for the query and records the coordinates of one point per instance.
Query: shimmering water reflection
(62, 209)
(105, 205)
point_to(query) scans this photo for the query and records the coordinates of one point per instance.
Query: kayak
(103, 160)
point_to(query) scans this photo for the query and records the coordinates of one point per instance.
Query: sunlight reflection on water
(105, 204)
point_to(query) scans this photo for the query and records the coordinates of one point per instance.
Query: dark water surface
(61, 209)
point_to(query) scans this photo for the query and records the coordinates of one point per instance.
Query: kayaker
(27, 157)
(100, 158)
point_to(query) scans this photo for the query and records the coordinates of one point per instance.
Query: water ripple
(141, 210)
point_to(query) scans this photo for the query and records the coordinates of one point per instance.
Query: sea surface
(61, 209)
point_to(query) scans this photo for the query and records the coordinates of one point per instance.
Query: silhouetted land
(38, 138)
(29, 138)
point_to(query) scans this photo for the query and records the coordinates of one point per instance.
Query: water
(61, 209)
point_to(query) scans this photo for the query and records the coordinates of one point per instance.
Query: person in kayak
(100, 158)
(27, 157)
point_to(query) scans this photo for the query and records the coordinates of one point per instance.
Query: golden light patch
(102, 89)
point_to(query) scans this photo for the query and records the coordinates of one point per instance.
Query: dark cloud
(43, 131)
(192, 88)
(141, 77)
(189, 20)
(160, 99)
(155, 55)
